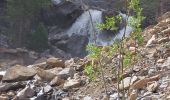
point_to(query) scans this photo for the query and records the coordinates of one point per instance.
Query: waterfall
(83, 26)
(129, 29)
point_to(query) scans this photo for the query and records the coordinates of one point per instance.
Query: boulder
(55, 62)
(71, 83)
(45, 75)
(151, 41)
(18, 73)
(27, 92)
(152, 86)
(143, 82)
(4, 87)
(55, 70)
(160, 60)
(67, 72)
(63, 14)
(57, 81)
(127, 82)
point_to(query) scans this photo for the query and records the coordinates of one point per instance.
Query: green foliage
(106, 56)
(136, 20)
(127, 61)
(94, 51)
(113, 48)
(89, 70)
(38, 40)
(110, 23)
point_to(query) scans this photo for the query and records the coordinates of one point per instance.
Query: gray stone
(47, 88)
(115, 96)
(11, 86)
(55, 62)
(153, 86)
(57, 2)
(87, 98)
(166, 63)
(57, 81)
(67, 72)
(27, 92)
(72, 83)
(127, 82)
(45, 75)
(18, 73)
(55, 70)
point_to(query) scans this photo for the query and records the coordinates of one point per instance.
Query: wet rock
(18, 73)
(27, 92)
(55, 62)
(57, 81)
(67, 72)
(127, 82)
(79, 47)
(71, 83)
(152, 87)
(11, 86)
(45, 75)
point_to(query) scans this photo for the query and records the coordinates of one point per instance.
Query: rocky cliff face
(68, 16)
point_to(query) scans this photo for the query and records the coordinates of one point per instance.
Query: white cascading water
(83, 26)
